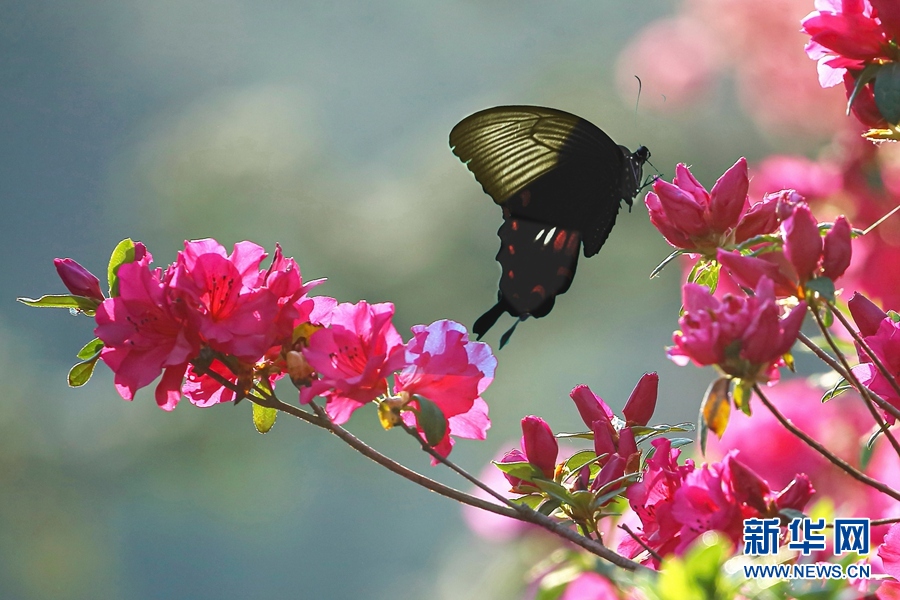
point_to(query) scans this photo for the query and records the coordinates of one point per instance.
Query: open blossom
(691, 218)
(441, 364)
(144, 336)
(676, 504)
(351, 357)
(742, 336)
(849, 34)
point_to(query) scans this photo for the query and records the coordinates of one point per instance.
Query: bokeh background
(323, 126)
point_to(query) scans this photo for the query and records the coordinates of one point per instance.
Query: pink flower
(885, 344)
(866, 314)
(850, 34)
(143, 336)
(889, 551)
(652, 498)
(590, 586)
(693, 219)
(442, 365)
(642, 402)
(352, 357)
(539, 444)
(78, 280)
(743, 336)
(224, 301)
(802, 242)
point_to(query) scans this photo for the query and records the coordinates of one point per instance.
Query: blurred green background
(322, 126)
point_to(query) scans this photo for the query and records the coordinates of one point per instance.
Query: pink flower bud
(682, 209)
(539, 444)
(749, 488)
(642, 402)
(77, 279)
(796, 494)
(659, 220)
(590, 406)
(760, 219)
(627, 444)
(889, 15)
(802, 242)
(787, 201)
(604, 444)
(866, 314)
(513, 456)
(729, 197)
(614, 469)
(837, 249)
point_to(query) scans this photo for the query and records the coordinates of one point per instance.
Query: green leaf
(548, 507)
(679, 442)
(81, 373)
(579, 459)
(123, 253)
(715, 410)
(78, 303)
(91, 349)
(741, 394)
(532, 501)
(839, 388)
(655, 273)
(867, 75)
(587, 435)
(647, 432)
(823, 286)
(520, 470)
(607, 496)
(894, 315)
(263, 417)
(553, 489)
(887, 92)
(709, 276)
(431, 420)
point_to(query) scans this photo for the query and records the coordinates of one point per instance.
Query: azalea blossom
(441, 364)
(742, 336)
(693, 219)
(883, 339)
(352, 357)
(848, 34)
(143, 335)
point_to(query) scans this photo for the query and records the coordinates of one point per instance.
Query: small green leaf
(679, 442)
(582, 435)
(553, 489)
(91, 349)
(579, 459)
(822, 286)
(887, 92)
(741, 394)
(607, 496)
(791, 513)
(79, 303)
(655, 273)
(839, 388)
(867, 75)
(81, 373)
(263, 417)
(716, 409)
(431, 421)
(894, 315)
(532, 501)
(520, 470)
(548, 507)
(708, 276)
(123, 253)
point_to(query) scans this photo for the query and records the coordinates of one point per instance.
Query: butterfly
(561, 182)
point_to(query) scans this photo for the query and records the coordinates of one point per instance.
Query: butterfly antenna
(505, 337)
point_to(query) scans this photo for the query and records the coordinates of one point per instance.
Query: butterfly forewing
(509, 147)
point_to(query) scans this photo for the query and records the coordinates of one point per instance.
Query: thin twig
(868, 349)
(836, 460)
(459, 470)
(320, 419)
(635, 537)
(864, 392)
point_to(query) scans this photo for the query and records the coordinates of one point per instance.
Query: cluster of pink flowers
(881, 334)
(677, 503)
(846, 36)
(223, 313)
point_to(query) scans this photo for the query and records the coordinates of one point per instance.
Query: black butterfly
(560, 181)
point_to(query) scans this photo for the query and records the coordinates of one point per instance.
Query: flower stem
(837, 461)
